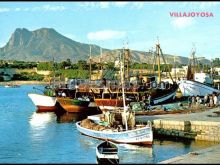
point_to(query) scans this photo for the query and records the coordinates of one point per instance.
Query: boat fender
(154, 84)
(162, 85)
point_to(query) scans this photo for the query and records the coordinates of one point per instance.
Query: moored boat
(11, 86)
(140, 135)
(122, 130)
(43, 102)
(73, 105)
(194, 88)
(197, 83)
(107, 153)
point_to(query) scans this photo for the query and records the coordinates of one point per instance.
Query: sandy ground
(24, 82)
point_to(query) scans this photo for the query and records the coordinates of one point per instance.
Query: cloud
(18, 9)
(182, 22)
(38, 8)
(205, 5)
(104, 4)
(106, 35)
(2, 44)
(4, 9)
(200, 5)
(53, 8)
(71, 36)
(138, 5)
(121, 4)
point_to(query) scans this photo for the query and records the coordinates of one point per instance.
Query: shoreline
(24, 83)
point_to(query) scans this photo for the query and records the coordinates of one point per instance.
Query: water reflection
(39, 123)
(40, 120)
(68, 117)
(128, 153)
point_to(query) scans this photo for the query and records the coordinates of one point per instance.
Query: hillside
(45, 44)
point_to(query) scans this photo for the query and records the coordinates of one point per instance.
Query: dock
(205, 156)
(203, 126)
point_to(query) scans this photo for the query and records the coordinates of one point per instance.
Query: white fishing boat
(43, 102)
(194, 88)
(124, 131)
(196, 83)
(107, 153)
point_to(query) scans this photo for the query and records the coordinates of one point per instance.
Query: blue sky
(111, 24)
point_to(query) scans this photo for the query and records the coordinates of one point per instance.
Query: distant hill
(45, 44)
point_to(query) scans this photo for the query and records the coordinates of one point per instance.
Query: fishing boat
(160, 92)
(73, 104)
(43, 102)
(196, 83)
(12, 86)
(107, 153)
(118, 130)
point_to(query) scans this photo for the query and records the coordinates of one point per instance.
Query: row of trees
(84, 65)
(81, 68)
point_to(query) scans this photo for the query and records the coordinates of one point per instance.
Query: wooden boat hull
(169, 96)
(46, 108)
(107, 161)
(109, 104)
(73, 105)
(194, 88)
(43, 102)
(140, 136)
(107, 153)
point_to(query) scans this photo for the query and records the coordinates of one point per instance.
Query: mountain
(45, 44)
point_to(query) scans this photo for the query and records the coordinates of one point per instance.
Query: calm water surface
(30, 137)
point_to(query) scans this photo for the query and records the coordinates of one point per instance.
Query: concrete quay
(203, 125)
(205, 156)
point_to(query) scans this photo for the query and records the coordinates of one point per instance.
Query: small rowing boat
(107, 153)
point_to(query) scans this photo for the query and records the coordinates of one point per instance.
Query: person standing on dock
(206, 100)
(189, 102)
(193, 101)
(215, 100)
(211, 101)
(198, 101)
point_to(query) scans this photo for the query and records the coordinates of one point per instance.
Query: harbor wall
(198, 130)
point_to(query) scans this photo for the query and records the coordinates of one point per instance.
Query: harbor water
(30, 137)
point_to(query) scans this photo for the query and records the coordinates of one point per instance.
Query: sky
(177, 26)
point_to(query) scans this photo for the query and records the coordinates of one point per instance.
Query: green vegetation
(28, 76)
(80, 69)
(17, 64)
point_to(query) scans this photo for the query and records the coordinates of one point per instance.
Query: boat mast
(122, 86)
(101, 61)
(127, 57)
(158, 60)
(90, 65)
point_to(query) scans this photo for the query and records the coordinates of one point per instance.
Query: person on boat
(180, 104)
(104, 82)
(63, 94)
(149, 99)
